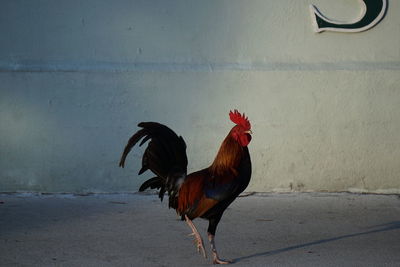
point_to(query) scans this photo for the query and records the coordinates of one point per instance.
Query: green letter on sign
(372, 13)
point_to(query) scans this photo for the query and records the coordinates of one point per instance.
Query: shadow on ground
(381, 228)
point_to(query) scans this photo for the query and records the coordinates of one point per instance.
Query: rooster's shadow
(380, 228)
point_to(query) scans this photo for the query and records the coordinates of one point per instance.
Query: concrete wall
(77, 76)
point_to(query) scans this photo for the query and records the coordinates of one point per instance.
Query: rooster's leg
(198, 240)
(216, 259)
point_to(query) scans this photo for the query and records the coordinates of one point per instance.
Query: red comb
(239, 119)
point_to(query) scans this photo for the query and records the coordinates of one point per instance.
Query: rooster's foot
(197, 238)
(219, 261)
(216, 259)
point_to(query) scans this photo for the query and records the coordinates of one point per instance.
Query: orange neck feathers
(228, 157)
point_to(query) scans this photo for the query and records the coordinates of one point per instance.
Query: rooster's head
(242, 131)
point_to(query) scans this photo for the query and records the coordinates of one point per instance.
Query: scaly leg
(216, 259)
(198, 240)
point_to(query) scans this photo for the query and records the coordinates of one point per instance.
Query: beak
(249, 132)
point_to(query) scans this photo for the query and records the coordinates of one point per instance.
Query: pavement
(296, 229)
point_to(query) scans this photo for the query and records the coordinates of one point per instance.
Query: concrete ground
(299, 229)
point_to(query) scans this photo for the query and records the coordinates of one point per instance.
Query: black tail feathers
(155, 182)
(165, 156)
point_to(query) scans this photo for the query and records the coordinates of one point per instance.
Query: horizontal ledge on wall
(51, 66)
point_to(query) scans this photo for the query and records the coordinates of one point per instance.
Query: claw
(197, 238)
(219, 261)
(200, 246)
(198, 242)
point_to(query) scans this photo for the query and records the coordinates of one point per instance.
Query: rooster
(205, 193)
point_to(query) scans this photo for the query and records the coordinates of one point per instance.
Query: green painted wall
(76, 77)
